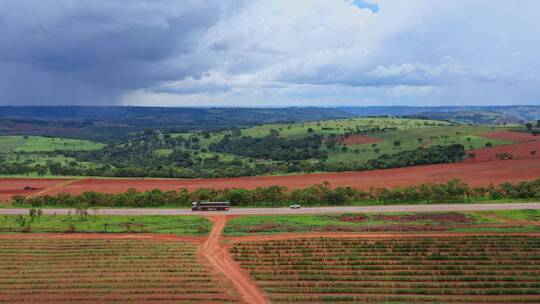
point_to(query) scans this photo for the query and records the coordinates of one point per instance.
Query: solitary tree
(529, 126)
(533, 153)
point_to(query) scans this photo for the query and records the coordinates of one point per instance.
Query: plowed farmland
(360, 139)
(525, 146)
(93, 270)
(443, 269)
(15, 186)
(509, 136)
(477, 173)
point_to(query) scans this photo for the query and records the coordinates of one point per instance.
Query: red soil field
(360, 139)
(14, 186)
(474, 173)
(509, 136)
(518, 151)
(524, 144)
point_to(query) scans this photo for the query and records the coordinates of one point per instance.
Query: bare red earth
(15, 186)
(475, 173)
(510, 136)
(521, 149)
(360, 139)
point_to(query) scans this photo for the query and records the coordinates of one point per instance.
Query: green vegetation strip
(481, 221)
(181, 225)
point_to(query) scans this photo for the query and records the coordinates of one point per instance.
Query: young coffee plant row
(105, 271)
(474, 269)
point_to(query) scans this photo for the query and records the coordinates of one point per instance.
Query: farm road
(308, 210)
(218, 255)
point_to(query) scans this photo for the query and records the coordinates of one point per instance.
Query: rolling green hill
(278, 148)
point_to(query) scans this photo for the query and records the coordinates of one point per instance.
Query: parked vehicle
(295, 206)
(210, 206)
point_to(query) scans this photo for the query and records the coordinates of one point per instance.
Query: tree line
(454, 191)
(138, 162)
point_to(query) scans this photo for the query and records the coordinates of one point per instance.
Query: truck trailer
(210, 206)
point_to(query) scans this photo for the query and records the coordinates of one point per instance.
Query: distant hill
(473, 117)
(102, 123)
(107, 122)
(465, 114)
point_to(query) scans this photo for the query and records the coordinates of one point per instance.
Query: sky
(269, 52)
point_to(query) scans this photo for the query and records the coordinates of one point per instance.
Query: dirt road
(311, 210)
(218, 256)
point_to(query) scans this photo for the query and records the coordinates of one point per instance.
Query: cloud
(268, 52)
(87, 52)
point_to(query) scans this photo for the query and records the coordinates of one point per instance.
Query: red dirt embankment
(360, 139)
(474, 173)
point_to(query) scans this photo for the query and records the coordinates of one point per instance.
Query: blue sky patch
(364, 4)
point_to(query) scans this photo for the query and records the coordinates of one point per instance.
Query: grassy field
(339, 126)
(181, 225)
(107, 271)
(411, 134)
(44, 144)
(457, 269)
(395, 135)
(410, 139)
(517, 220)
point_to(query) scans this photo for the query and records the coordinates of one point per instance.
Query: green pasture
(44, 144)
(339, 126)
(411, 139)
(450, 221)
(182, 225)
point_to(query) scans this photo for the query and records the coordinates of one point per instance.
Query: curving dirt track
(218, 256)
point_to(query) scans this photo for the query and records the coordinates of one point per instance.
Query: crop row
(480, 269)
(106, 270)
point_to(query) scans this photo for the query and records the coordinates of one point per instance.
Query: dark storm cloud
(88, 52)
